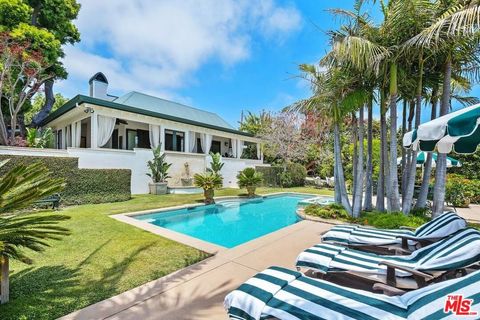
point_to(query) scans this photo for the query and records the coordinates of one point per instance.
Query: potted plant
(216, 164)
(208, 181)
(158, 172)
(250, 179)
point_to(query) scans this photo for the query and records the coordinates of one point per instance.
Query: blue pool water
(231, 222)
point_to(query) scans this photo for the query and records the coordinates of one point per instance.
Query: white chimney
(98, 86)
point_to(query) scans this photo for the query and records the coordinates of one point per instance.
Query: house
(105, 131)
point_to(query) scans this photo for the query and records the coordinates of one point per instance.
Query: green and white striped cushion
(301, 297)
(459, 250)
(440, 227)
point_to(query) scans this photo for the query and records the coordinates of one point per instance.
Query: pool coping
(196, 243)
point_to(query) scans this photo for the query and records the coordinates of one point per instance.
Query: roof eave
(79, 99)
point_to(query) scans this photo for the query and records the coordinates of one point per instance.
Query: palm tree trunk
(355, 158)
(380, 205)
(408, 199)
(394, 196)
(404, 154)
(339, 167)
(369, 169)
(441, 168)
(357, 204)
(5, 281)
(427, 167)
(338, 195)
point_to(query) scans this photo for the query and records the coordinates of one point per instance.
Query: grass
(101, 258)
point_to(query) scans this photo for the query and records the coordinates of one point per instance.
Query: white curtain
(234, 147)
(240, 148)
(258, 151)
(105, 129)
(64, 138)
(208, 143)
(192, 140)
(76, 134)
(69, 136)
(154, 132)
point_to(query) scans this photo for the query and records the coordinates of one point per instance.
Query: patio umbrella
(458, 131)
(422, 157)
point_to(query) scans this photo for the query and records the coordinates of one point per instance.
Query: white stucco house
(104, 131)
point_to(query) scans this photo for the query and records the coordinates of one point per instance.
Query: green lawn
(101, 258)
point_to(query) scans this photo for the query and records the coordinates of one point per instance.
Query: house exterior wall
(136, 161)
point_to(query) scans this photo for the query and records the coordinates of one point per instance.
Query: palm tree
(453, 38)
(21, 186)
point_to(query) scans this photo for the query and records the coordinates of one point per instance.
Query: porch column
(94, 130)
(162, 138)
(186, 141)
(239, 148)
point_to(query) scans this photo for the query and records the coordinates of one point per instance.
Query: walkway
(197, 292)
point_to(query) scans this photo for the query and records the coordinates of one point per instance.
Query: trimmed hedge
(82, 185)
(271, 176)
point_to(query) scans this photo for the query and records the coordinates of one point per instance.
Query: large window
(174, 140)
(138, 139)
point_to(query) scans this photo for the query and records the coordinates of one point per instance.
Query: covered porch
(94, 127)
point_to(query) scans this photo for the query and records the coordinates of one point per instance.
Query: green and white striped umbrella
(422, 157)
(458, 131)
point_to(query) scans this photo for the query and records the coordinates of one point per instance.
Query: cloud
(157, 46)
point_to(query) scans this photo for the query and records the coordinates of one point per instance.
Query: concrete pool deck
(197, 292)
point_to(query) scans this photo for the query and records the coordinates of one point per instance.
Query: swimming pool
(232, 222)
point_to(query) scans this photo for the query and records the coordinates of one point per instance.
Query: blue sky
(222, 56)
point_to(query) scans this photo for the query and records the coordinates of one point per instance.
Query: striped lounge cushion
(302, 297)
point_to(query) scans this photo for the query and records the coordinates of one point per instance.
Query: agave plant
(208, 181)
(250, 179)
(19, 188)
(158, 166)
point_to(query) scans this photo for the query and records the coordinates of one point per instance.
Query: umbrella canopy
(422, 157)
(458, 131)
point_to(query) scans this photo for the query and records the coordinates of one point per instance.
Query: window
(138, 139)
(199, 146)
(59, 139)
(174, 140)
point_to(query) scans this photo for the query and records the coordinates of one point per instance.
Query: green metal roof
(151, 106)
(170, 108)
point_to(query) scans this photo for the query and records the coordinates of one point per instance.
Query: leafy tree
(19, 188)
(255, 124)
(30, 21)
(39, 102)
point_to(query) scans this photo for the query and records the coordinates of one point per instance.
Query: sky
(224, 56)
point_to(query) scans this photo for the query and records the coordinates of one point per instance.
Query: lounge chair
(398, 240)
(278, 293)
(434, 262)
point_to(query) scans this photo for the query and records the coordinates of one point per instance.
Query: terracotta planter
(209, 193)
(158, 188)
(251, 191)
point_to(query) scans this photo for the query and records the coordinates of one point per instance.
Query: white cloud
(157, 46)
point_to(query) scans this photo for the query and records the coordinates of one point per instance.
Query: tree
(21, 186)
(255, 124)
(30, 17)
(25, 63)
(453, 36)
(285, 138)
(39, 102)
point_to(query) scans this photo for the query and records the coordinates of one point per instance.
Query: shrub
(271, 175)
(458, 191)
(393, 220)
(331, 211)
(82, 185)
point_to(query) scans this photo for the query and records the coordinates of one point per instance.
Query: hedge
(271, 176)
(82, 185)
